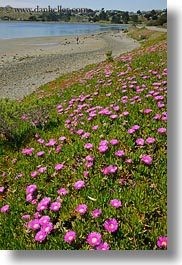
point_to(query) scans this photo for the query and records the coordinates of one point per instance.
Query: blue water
(12, 30)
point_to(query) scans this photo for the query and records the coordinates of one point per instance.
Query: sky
(125, 5)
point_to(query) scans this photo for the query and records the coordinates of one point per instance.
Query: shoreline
(26, 64)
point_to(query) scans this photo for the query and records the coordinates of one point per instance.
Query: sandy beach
(26, 64)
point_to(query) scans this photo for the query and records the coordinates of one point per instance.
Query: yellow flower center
(94, 240)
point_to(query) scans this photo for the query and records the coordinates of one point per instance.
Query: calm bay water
(12, 30)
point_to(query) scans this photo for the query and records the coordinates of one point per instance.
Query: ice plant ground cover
(91, 172)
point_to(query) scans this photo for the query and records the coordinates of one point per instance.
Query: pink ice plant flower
(136, 127)
(96, 213)
(51, 142)
(119, 153)
(62, 191)
(1, 189)
(34, 224)
(31, 188)
(111, 225)
(89, 158)
(147, 160)
(44, 220)
(115, 203)
(28, 151)
(147, 111)
(103, 246)
(79, 184)
(34, 174)
(55, 206)
(5, 208)
(130, 131)
(94, 239)
(70, 236)
(40, 236)
(140, 141)
(150, 140)
(42, 169)
(114, 141)
(59, 167)
(162, 242)
(103, 148)
(40, 153)
(88, 146)
(47, 228)
(162, 130)
(103, 142)
(81, 209)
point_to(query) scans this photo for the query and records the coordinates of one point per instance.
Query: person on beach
(77, 39)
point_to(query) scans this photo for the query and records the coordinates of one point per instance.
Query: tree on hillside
(134, 18)
(125, 17)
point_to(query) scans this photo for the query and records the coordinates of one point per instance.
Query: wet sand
(26, 64)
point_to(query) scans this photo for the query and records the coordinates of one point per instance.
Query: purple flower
(59, 167)
(88, 146)
(34, 224)
(150, 140)
(86, 173)
(1, 189)
(79, 184)
(47, 228)
(55, 206)
(95, 127)
(34, 174)
(136, 127)
(80, 132)
(162, 130)
(42, 169)
(43, 204)
(162, 242)
(103, 246)
(26, 216)
(147, 160)
(40, 141)
(27, 151)
(114, 141)
(129, 161)
(29, 197)
(103, 148)
(111, 225)
(41, 153)
(140, 141)
(62, 138)
(81, 209)
(94, 239)
(62, 191)
(40, 236)
(103, 142)
(112, 169)
(115, 203)
(147, 111)
(14, 160)
(51, 142)
(119, 153)
(5, 208)
(89, 158)
(44, 220)
(96, 213)
(70, 236)
(130, 131)
(31, 188)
